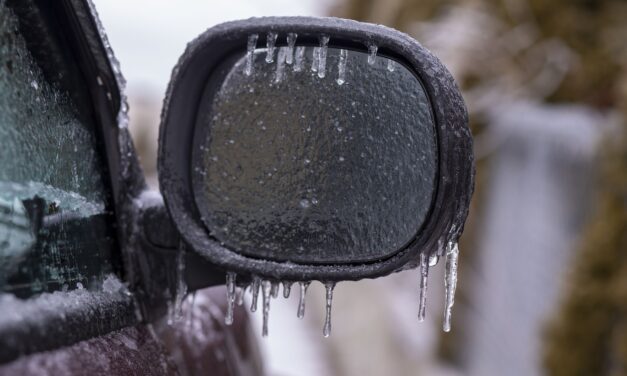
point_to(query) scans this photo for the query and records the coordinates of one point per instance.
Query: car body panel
(198, 344)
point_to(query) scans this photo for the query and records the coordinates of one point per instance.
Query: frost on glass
(338, 167)
(53, 228)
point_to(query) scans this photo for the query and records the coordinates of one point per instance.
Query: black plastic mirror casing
(455, 176)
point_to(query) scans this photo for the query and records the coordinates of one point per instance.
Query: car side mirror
(298, 149)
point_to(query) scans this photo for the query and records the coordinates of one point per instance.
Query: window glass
(54, 226)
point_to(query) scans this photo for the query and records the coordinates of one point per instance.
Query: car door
(67, 172)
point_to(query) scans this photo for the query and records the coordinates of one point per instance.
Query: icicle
(175, 309)
(254, 290)
(322, 57)
(299, 58)
(341, 67)
(327, 321)
(372, 53)
(182, 286)
(287, 286)
(266, 287)
(241, 292)
(450, 282)
(250, 53)
(291, 41)
(301, 302)
(390, 65)
(315, 59)
(170, 312)
(280, 64)
(270, 41)
(230, 297)
(441, 248)
(274, 291)
(190, 311)
(424, 273)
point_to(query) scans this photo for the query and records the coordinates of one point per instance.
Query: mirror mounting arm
(157, 226)
(159, 249)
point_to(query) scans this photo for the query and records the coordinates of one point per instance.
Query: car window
(55, 226)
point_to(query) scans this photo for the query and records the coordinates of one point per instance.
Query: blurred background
(543, 269)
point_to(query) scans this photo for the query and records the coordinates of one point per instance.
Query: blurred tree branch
(559, 51)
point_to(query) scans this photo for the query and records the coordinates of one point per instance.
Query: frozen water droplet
(329, 286)
(341, 67)
(341, 159)
(254, 290)
(270, 41)
(391, 65)
(299, 58)
(372, 53)
(450, 282)
(291, 41)
(266, 287)
(434, 259)
(424, 274)
(304, 203)
(34, 84)
(287, 287)
(230, 297)
(301, 302)
(322, 57)
(241, 292)
(250, 53)
(275, 290)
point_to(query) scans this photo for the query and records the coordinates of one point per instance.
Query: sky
(148, 36)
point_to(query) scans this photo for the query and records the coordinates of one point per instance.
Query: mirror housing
(454, 166)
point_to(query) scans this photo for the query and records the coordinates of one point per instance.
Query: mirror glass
(314, 155)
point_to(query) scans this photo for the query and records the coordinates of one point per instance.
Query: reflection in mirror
(314, 155)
